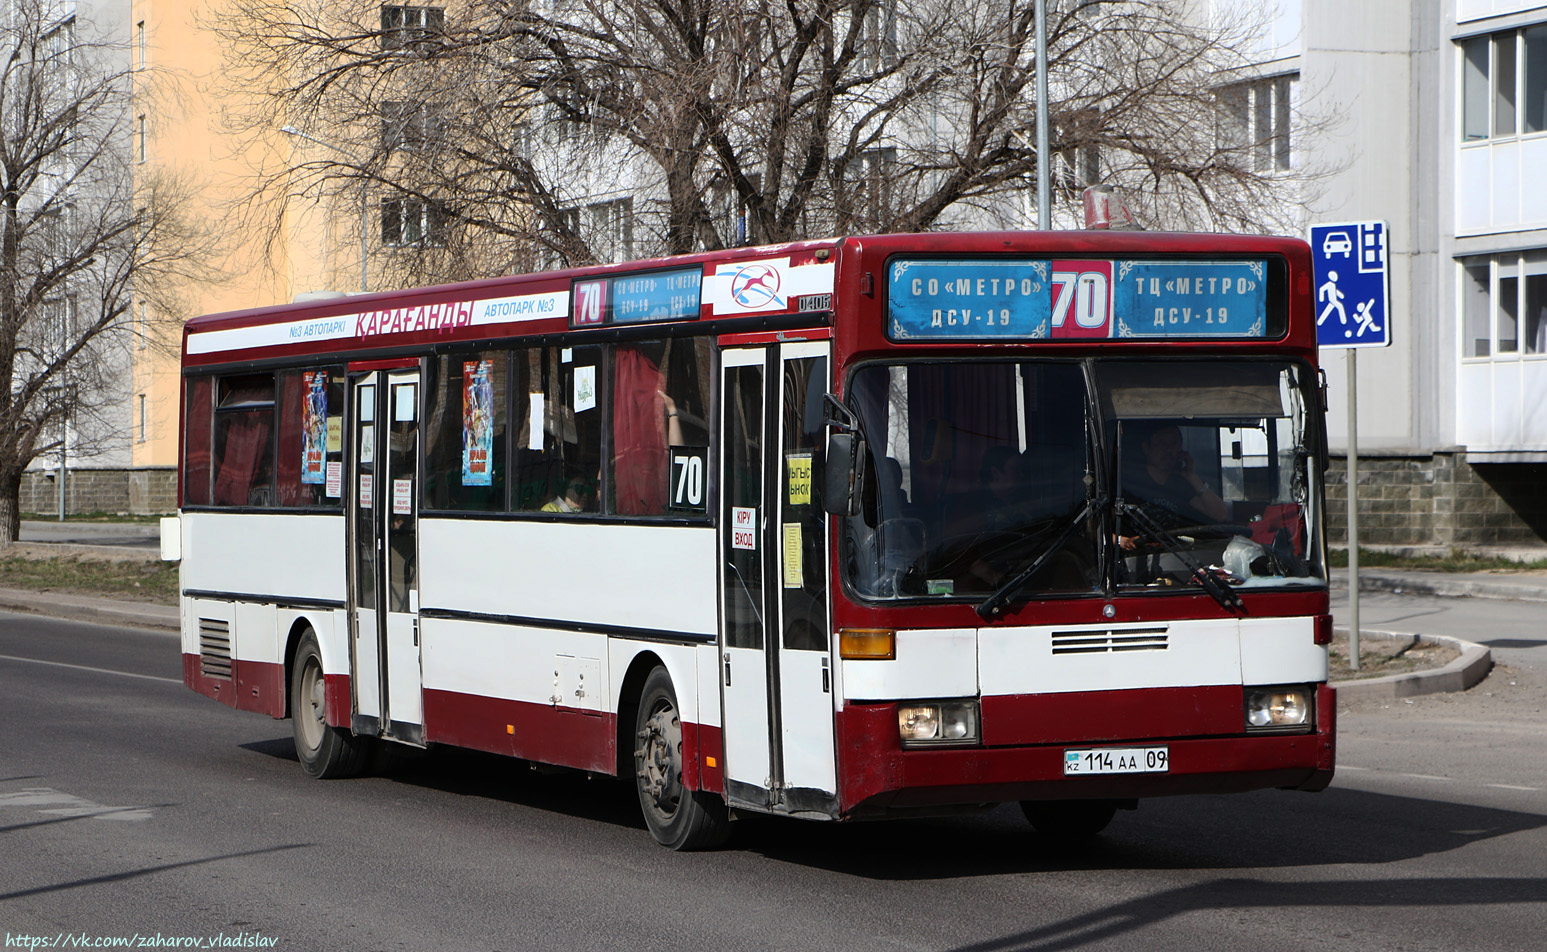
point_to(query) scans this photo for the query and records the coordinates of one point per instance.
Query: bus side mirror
(842, 478)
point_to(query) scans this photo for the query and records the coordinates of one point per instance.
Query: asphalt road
(129, 805)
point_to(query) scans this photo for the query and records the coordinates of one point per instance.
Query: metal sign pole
(1044, 172)
(1353, 509)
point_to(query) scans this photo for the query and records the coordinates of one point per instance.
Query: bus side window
(311, 431)
(196, 442)
(660, 400)
(465, 432)
(558, 429)
(244, 444)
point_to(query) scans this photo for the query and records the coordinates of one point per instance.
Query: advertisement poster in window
(314, 426)
(477, 422)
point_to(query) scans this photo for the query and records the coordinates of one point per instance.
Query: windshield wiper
(994, 604)
(1217, 587)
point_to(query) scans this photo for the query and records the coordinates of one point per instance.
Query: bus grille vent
(1097, 641)
(215, 648)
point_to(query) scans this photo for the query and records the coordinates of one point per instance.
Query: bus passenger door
(399, 500)
(364, 570)
(803, 685)
(775, 674)
(384, 552)
(744, 661)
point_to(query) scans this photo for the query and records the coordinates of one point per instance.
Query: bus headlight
(1283, 708)
(938, 723)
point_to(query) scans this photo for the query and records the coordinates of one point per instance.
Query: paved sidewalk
(1521, 586)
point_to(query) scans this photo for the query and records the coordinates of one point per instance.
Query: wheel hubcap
(313, 702)
(660, 741)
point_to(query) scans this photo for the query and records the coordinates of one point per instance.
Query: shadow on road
(1263, 830)
(1128, 918)
(470, 773)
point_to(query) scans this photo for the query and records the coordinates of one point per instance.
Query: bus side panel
(704, 764)
(573, 573)
(260, 672)
(535, 693)
(274, 556)
(234, 638)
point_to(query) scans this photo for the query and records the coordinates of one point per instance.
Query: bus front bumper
(877, 776)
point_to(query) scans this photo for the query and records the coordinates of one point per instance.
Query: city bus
(901, 525)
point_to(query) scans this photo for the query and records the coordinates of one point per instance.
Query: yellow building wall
(184, 97)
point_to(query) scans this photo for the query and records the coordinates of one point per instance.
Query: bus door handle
(727, 669)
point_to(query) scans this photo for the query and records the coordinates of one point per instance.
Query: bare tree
(76, 235)
(507, 132)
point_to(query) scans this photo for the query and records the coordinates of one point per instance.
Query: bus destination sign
(932, 300)
(639, 298)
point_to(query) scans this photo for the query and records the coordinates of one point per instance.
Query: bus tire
(1068, 822)
(325, 752)
(678, 818)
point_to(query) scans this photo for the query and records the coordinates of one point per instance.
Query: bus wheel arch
(325, 752)
(678, 818)
(298, 630)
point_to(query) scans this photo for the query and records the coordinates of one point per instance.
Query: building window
(878, 37)
(141, 48)
(139, 139)
(404, 25)
(140, 430)
(412, 126)
(1254, 122)
(1504, 305)
(1504, 84)
(612, 229)
(413, 221)
(141, 328)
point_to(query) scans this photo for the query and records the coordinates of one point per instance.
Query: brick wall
(1440, 501)
(138, 491)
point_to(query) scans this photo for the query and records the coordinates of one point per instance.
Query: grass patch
(1454, 562)
(149, 581)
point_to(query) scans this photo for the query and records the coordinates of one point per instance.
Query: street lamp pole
(364, 209)
(1044, 179)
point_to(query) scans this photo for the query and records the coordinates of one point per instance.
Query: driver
(1169, 480)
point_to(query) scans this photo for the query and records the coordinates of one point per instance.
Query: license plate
(1116, 760)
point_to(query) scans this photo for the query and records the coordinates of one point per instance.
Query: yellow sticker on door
(799, 479)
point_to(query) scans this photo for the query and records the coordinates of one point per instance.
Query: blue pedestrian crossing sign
(1349, 264)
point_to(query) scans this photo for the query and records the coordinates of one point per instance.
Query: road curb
(1470, 668)
(99, 611)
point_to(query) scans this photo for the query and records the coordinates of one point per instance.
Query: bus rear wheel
(1068, 822)
(678, 818)
(325, 752)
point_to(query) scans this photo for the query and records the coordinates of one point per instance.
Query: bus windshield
(1068, 477)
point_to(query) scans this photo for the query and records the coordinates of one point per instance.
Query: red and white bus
(865, 527)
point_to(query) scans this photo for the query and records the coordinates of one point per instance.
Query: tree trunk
(10, 507)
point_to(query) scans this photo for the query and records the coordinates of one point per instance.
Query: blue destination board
(1075, 299)
(657, 296)
(968, 300)
(1191, 298)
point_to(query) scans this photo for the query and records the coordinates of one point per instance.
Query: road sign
(1349, 262)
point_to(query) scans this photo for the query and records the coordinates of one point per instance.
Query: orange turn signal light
(867, 644)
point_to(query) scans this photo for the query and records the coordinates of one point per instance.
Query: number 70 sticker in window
(687, 491)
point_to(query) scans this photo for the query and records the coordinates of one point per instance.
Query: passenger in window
(1167, 479)
(579, 495)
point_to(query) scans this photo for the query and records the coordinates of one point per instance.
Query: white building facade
(1431, 115)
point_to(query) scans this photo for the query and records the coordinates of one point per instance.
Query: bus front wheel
(325, 752)
(1069, 821)
(678, 818)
